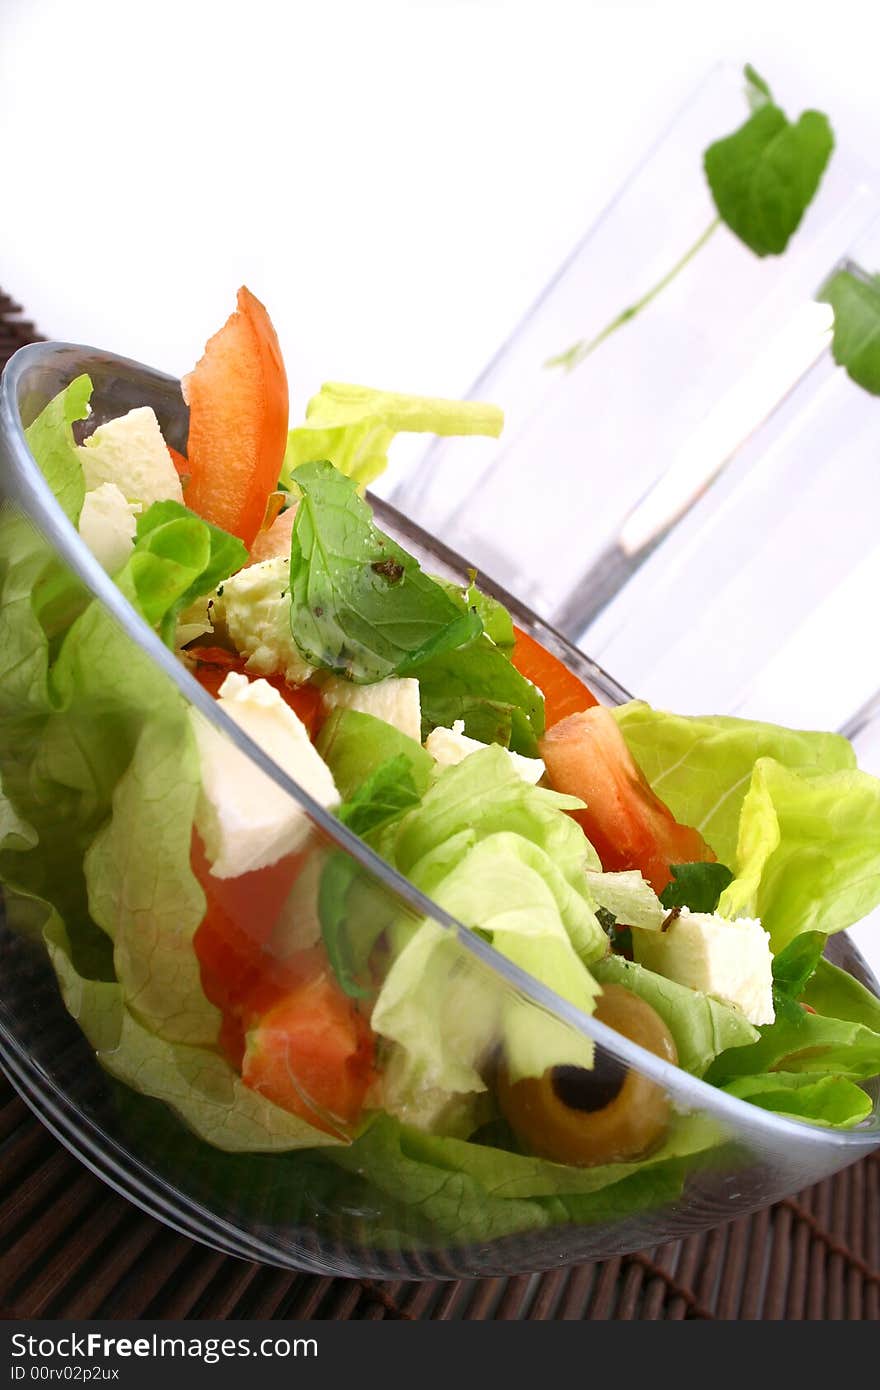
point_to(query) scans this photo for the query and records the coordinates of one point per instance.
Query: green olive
(604, 1115)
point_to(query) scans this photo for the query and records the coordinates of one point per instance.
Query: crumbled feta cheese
(255, 606)
(107, 525)
(244, 818)
(131, 453)
(395, 699)
(728, 959)
(451, 746)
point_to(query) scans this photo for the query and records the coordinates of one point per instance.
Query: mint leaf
(386, 794)
(758, 93)
(764, 176)
(497, 622)
(696, 886)
(360, 605)
(477, 683)
(855, 299)
(793, 968)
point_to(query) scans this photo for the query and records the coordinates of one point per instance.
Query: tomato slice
(564, 692)
(287, 1026)
(312, 1053)
(213, 665)
(238, 408)
(626, 822)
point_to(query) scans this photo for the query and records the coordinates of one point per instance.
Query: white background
(396, 182)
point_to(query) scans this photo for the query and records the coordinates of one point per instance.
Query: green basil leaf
(855, 299)
(696, 886)
(386, 794)
(764, 176)
(360, 605)
(793, 968)
(478, 684)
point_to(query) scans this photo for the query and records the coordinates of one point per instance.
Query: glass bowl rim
(28, 487)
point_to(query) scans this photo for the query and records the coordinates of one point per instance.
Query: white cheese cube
(131, 453)
(107, 525)
(255, 606)
(395, 699)
(451, 746)
(728, 959)
(245, 820)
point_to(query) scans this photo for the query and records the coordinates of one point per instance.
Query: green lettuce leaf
(702, 1027)
(835, 993)
(702, 766)
(477, 1193)
(51, 442)
(502, 857)
(142, 891)
(353, 427)
(355, 745)
(360, 605)
(484, 794)
(627, 897)
(183, 538)
(811, 1044)
(808, 856)
(824, 1100)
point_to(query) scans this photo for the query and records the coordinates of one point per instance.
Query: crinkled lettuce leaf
(97, 759)
(702, 1027)
(701, 766)
(501, 856)
(477, 1193)
(198, 549)
(811, 1044)
(353, 427)
(51, 442)
(834, 1101)
(787, 810)
(142, 891)
(808, 853)
(837, 994)
(626, 895)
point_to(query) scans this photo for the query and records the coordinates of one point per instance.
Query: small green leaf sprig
(762, 179)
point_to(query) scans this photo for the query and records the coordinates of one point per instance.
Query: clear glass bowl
(391, 1203)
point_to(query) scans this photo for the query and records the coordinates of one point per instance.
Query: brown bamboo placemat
(70, 1247)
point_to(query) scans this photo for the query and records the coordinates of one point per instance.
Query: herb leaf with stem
(762, 179)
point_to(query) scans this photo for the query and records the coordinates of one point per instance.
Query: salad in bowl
(403, 938)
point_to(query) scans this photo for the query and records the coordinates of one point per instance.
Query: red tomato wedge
(286, 1025)
(312, 1053)
(238, 408)
(630, 827)
(564, 692)
(213, 665)
(232, 938)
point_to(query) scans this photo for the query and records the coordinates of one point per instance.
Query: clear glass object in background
(596, 465)
(171, 1128)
